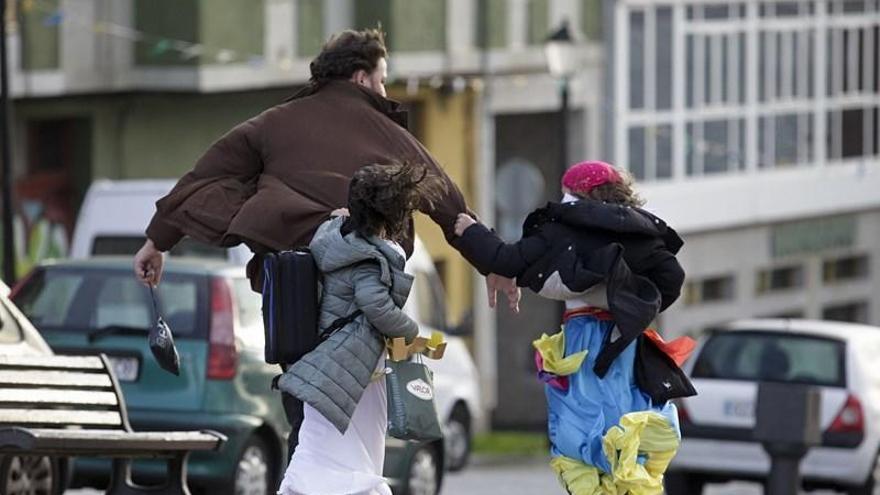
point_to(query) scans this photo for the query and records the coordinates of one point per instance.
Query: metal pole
(563, 126)
(6, 157)
(784, 477)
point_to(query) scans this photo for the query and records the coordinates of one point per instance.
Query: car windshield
(87, 300)
(772, 356)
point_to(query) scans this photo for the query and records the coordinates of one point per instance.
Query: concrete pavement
(525, 477)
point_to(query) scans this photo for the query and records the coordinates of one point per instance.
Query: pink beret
(583, 177)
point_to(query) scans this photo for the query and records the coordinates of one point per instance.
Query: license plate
(126, 368)
(739, 408)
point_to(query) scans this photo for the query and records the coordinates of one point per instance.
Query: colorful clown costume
(606, 435)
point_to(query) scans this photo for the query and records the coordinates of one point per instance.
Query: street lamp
(5, 156)
(562, 61)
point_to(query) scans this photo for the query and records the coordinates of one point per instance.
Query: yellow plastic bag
(552, 350)
(643, 433)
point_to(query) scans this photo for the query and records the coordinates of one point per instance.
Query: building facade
(751, 126)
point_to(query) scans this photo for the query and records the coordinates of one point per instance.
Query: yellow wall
(446, 128)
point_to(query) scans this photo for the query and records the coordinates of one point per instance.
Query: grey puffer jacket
(359, 273)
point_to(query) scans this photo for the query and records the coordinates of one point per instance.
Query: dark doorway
(58, 159)
(527, 170)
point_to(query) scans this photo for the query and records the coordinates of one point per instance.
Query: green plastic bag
(412, 414)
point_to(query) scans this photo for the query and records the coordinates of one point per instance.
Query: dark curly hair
(382, 198)
(346, 53)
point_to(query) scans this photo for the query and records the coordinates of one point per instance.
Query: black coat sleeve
(488, 253)
(668, 276)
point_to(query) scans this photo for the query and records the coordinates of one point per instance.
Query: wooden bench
(63, 406)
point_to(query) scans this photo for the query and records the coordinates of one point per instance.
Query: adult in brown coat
(272, 180)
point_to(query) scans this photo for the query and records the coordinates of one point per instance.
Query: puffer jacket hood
(333, 251)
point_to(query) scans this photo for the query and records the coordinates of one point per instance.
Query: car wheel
(29, 475)
(678, 483)
(253, 470)
(423, 474)
(457, 438)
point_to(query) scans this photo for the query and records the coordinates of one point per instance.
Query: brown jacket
(271, 180)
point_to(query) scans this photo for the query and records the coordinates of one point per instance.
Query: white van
(112, 220)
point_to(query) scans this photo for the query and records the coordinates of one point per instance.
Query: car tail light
(222, 355)
(851, 418)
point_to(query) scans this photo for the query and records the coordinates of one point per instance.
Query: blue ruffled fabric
(579, 417)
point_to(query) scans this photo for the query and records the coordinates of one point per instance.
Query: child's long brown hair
(382, 198)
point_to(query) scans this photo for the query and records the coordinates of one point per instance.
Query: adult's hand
(462, 223)
(494, 283)
(148, 263)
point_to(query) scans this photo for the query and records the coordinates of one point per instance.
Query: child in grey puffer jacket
(342, 439)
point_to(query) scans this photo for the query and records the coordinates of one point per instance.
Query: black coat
(588, 242)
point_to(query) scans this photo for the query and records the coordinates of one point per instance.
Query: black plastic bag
(162, 342)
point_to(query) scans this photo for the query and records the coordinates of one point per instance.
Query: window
(250, 313)
(844, 269)
(10, 332)
(46, 297)
(789, 314)
(759, 59)
(310, 27)
(591, 19)
(769, 356)
(82, 300)
(491, 25)
(637, 59)
(40, 33)
(854, 312)
(711, 289)
(122, 303)
(538, 21)
(431, 306)
(103, 245)
(776, 279)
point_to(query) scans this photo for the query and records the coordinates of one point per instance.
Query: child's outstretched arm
(489, 254)
(373, 298)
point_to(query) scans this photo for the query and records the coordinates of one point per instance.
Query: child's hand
(462, 223)
(339, 212)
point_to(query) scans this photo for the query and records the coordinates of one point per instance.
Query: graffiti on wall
(42, 220)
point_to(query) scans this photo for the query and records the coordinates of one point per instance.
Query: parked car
(111, 222)
(97, 305)
(23, 475)
(838, 358)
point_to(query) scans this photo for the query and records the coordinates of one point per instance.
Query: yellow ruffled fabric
(644, 433)
(552, 350)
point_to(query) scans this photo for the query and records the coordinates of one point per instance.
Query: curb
(501, 460)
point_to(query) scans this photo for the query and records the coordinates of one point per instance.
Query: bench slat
(60, 417)
(54, 378)
(107, 442)
(57, 396)
(60, 362)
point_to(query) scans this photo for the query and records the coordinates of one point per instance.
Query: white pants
(328, 463)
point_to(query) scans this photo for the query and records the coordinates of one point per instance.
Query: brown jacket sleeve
(205, 200)
(451, 203)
